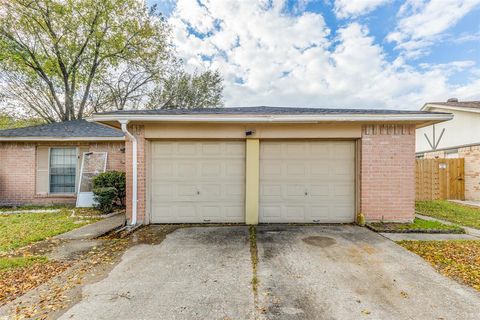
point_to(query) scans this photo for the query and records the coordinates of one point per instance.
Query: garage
(307, 181)
(198, 181)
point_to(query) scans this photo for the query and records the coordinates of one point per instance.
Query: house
(459, 138)
(269, 164)
(41, 164)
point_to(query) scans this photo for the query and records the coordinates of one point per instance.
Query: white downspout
(124, 124)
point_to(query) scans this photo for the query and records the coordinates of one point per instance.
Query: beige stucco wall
(252, 181)
(260, 131)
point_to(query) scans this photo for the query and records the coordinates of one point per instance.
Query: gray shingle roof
(67, 129)
(261, 110)
(461, 104)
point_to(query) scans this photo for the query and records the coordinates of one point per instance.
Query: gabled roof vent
(452, 100)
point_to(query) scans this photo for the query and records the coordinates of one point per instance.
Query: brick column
(387, 187)
(139, 132)
(472, 171)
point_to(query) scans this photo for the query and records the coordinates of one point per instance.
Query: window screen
(63, 162)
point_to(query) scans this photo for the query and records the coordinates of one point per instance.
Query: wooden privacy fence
(440, 179)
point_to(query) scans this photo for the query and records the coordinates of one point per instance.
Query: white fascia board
(278, 118)
(62, 139)
(428, 106)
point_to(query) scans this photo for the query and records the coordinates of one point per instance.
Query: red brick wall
(18, 170)
(387, 181)
(139, 132)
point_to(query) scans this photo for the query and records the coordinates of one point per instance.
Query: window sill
(56, 195)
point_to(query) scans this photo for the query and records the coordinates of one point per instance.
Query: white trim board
(311, 118)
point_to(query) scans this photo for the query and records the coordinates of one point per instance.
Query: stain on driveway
(303, 272)
(195, 273)
(348, 272)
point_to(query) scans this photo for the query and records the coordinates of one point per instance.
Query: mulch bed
(16, 282)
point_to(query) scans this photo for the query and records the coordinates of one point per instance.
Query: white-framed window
(62, 170)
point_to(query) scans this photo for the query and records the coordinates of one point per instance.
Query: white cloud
(270, 58)
(355, 8)
(421, 23)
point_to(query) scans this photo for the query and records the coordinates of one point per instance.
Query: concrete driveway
(311, 272)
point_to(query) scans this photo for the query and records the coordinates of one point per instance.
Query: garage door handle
(306, 193)
(198, 192)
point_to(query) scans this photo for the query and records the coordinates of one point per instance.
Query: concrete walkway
(427, 236)
(94, 230)
(470, 231)
(467, 203)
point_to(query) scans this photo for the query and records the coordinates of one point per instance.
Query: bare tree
(55, 53)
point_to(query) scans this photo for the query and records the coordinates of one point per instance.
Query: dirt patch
(319, 241)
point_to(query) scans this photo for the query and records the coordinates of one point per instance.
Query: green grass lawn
(456, 213)
(37, 207)
(18, 230)
(458, 259)
(417, 225)
(20, 262)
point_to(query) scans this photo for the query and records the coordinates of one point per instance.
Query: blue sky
(332, 53)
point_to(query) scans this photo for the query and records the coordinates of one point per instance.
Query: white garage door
(304, 182)
(198, 181)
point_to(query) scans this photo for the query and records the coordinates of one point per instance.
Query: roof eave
(428, 106)
(60, 139)
(421, 119)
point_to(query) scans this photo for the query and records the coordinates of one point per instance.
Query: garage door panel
(343, 190)
(271, 212)
(234, 190)
(162, 149)
(320, 169)
(319, 191)
(320, 151)
(234, 213)
(273, 169)
(271, 190)
(235, 168)
(297, 170)
(212, 149)
(163, 190)
(185, 149)
(294, 191)
(320, 212)
(293, 213)
(235, 149)
(213, 169)
(272, 150)
(293, 149)
(198, 181)
(305, 181)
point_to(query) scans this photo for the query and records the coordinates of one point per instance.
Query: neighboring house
(458, 138)
(269, 164)
(41, 164)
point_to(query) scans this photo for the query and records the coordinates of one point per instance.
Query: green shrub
(105, 198)
(109, 190)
